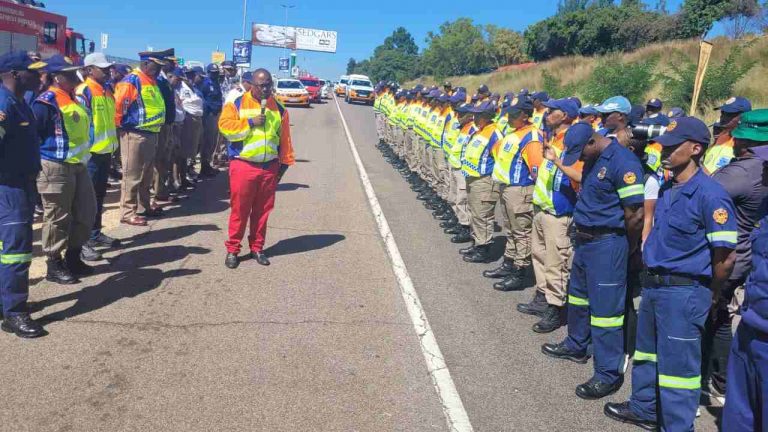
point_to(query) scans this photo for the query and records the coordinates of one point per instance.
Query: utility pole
(245, 14)
(286, 7)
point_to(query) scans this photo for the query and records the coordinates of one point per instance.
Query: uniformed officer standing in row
(688, 256)
(653, 114)
(747, 384)
(64, 128)
(720, 153)
(19, 166)
(609, 220)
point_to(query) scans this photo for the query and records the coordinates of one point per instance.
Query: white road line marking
(453, 408)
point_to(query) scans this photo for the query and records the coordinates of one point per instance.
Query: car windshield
(289, 85)
(344, 81)
(361, 83)
(312, 83)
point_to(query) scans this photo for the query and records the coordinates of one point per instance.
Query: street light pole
(245, 14)
(285, 29)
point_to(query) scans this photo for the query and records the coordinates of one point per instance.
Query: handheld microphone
(263, 105)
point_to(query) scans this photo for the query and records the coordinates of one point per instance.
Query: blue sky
(195, 27)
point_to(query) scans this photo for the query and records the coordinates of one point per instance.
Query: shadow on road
(303, 243)
(114, 288)
(284, 187)
(166, 235)
(302, 160)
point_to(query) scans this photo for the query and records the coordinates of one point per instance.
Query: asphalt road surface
(165, 338)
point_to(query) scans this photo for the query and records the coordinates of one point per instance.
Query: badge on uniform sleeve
(720, 216)
(601, 173)
(2, 116)
(671, 126)
(630, 178)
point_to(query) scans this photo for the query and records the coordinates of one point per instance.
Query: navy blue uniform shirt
(212, 98)
(169, 98)
(612, 182)
(19, 145)
(689, 221)
(754, 311)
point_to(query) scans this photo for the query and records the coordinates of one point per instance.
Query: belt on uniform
(586, 233)
(650, 279)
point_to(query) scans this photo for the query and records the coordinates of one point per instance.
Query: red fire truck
(25, 25)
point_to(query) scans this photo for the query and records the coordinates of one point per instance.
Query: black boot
(621, 412)
(464, 236)
(453, 230)
(480, 255)
(467, 250)
(552, 319)
(502, 271)
(22, 325)
(537, 306)
(75, 263)
(596, 389)
(449, 223)
(447, 215)
(426, 195)
(560, 351)
(516, 281)
(231, 261)
(58, 271)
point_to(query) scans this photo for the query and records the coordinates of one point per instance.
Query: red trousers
(252, 197)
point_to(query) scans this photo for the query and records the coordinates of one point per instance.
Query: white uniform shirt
(190, 101)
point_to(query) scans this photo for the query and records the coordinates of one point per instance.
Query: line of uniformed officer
(577, 180)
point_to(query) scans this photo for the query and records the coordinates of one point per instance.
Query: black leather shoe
(23, 326)
(482, 254)
(560, 351)
(536, 307)
(596, 389)
(90, 254)
(513, 282)
(552, 319)
(464, 236)
(231, 261)
(58, 272)
(439, 211)
(425, 196)
(260, 258)
(502, 271)
(104, 240)
(450, 223)
(448, 215)
(621, 412)
(467, 250)
(454, 229)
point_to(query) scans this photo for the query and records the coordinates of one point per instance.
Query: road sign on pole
(104, 41)
(283, 65)
(295, 71)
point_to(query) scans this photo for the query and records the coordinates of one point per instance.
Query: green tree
(351, 66)
(698, 16)
(396, 59)
(612, 77)
(459, 48)
(400, 40)
(506, 46)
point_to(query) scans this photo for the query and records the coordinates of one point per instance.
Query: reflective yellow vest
(260, 144)
(720, 154)
(476, 159)
(71, 139)
(454, 147)
(510, 167)
(102, 109)
(538, 118)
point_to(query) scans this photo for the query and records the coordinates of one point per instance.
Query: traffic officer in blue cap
(213, 101)
(477, 163)
(653, 114)
(615, 115)
(539, 110)
(721, 153)
(589, 114)
(609, 220)
(19, 167)
(745, 407)
(689, 255)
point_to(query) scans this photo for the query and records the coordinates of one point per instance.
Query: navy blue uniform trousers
(17, 203)
(746, 404)
(597, 295)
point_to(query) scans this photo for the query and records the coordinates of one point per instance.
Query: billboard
(241, 52)
(295, 38)
(218, 57)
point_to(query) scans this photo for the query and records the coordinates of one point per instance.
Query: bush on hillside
(719, 79)
(612, 76)
(554, 86)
